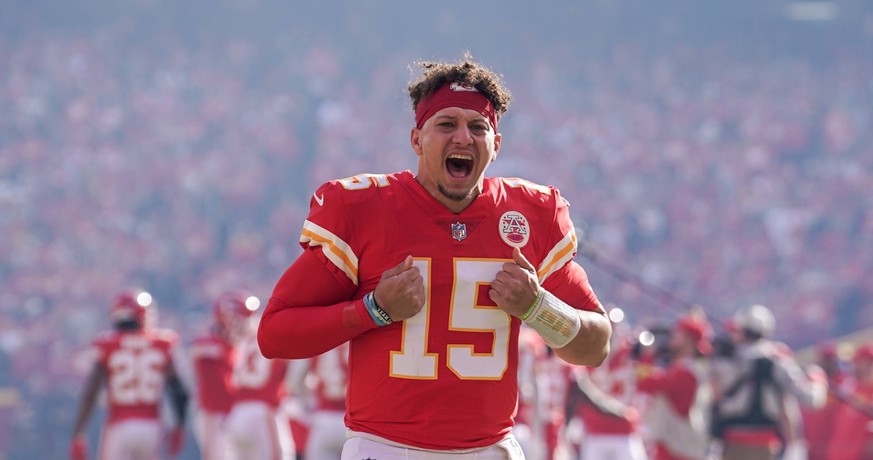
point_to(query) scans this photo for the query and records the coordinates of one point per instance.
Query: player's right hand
(177, 438)
(400, 291)
(78, 448)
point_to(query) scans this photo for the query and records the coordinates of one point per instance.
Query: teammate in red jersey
(212, 355)
(544, 388)
(255, 427)
(677, 414)
(429, 275)
(818, 423)
(851, 434)
(328, 375)
(133, 363)
(606, 401)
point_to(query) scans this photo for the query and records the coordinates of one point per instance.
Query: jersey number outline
(364, 181)
(414, 361)
(252, 370)
(136, 377)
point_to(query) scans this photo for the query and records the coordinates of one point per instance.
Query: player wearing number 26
(134, 363)
(430, 275)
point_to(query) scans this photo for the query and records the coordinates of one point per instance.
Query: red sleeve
(677, 384)
(570, 284)
(99, 349)
(213, 391)
(309, 312)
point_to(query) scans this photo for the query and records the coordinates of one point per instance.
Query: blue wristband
(380, 316)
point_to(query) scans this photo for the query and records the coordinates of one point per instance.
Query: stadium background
(720, 152)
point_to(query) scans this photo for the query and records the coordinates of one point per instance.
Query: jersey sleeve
(562, 239)
(678, 385)
(559, 273)
(167, 339)
(310, 310)
(98, 351)
(326, 230)
(556, 269)
(570, 284)
(308, 313)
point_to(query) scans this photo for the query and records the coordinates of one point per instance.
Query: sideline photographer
(755, 401)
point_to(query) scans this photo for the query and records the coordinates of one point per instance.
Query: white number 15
(415, 361)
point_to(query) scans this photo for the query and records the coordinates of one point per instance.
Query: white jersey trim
(334, 248)
(559, 255)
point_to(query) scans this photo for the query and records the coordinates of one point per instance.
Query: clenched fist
(400, 291)
(515, 287)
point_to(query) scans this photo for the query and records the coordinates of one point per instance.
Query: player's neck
(454, 203)
(455, 206)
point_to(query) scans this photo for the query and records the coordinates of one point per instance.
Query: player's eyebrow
(473, 118)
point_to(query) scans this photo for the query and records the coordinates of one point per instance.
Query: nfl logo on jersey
(459, 231)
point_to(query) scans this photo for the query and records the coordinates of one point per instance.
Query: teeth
(456, 156)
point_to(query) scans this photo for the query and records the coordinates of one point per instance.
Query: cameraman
(753, 402)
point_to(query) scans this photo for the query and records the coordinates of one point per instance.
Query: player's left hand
(177, 438)
(78, 448)
(515, 287)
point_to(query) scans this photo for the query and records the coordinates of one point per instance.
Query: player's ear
(415, 140)
(497, 138)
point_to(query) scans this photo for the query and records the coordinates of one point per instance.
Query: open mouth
(459, 166)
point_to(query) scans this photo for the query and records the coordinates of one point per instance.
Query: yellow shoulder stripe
(334, 248)
(558, 256)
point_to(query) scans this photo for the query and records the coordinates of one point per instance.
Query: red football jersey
(851, 437)
(447, 377)
(136, 363)
(213, 365)
(331, 371)
(616, 378)
(256, 378)
(678, 383)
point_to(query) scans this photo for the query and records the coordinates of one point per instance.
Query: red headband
(455, 94)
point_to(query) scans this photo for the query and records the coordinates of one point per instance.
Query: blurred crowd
(724, 174)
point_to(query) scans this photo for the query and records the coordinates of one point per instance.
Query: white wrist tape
(557, 322)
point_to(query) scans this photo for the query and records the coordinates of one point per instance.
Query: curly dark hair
(466, 71)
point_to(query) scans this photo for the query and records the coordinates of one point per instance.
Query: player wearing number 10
(430, 275)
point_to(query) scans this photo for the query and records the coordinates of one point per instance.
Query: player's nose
(463, 135)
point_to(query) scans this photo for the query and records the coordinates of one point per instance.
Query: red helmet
(131, 305)
(234, 308)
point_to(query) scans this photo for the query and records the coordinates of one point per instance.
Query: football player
(676, 415)
(429, 275)
(213, 355)
(327, 378)
(133, 363)
(256, 428)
